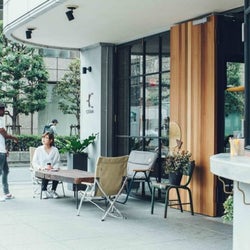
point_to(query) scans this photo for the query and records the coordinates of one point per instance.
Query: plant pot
(77, 161)
(175, 178)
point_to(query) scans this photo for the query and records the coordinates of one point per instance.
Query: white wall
(241, 225)
(20, 7)
(90, 115)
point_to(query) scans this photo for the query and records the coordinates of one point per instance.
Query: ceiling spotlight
(29, 32)
(69, 13)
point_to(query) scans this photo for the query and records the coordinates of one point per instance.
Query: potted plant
(177, 162)
(76, 146)
(77, 157)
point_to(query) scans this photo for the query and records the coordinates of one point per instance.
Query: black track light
(28, 33)
(69, 13)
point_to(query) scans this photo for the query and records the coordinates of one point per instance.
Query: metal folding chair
(109, 182)
(140, 165)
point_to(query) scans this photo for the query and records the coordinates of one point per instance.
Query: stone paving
(32, 224)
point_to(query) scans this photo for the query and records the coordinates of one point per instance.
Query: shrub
(228, 209)
(26, 141)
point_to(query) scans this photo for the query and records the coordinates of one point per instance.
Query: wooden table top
(74, 176)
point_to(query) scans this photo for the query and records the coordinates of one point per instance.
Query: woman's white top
(41, 157)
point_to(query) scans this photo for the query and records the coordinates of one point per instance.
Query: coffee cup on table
(49, 167)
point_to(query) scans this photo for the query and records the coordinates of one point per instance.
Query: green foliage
(23, 78)
(74, 144)
(26, 141)
(233, 74)
(177, 161)
(234, 101)
(68, 91)
(228, 209)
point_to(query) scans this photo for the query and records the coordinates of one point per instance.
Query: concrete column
(241, 222)
(97, 99)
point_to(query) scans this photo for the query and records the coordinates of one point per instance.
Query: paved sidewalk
(32, 224)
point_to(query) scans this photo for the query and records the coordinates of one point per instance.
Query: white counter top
(231, 167)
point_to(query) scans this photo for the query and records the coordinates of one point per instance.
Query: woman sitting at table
(47, 157)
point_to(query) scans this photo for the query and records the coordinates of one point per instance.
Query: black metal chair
(168, 186)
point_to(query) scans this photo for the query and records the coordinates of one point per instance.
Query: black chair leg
(166, 202)
(191, 201)
(152, 200)
(147, 179)
(179, 199)
(143, 189)
(128, 192)
(149, 186)
(41, 192)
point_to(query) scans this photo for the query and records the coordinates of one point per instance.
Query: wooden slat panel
(193, 101)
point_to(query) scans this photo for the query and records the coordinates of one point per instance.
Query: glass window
(152, 55)
(136, 59)
(234, 102)
(148, 103)
(57, 53)
(136, 107)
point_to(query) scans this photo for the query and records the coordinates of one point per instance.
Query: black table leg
(76, 194)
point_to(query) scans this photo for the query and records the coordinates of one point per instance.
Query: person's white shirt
(53, 129)
(41, 158)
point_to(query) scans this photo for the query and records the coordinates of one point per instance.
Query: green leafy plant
(228, 209)
(23, 80)
(234, 101)
(68, 91)
(177, 161)
(75, 145)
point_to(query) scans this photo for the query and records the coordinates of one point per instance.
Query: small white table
(236, 168)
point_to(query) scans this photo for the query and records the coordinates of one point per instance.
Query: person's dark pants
(45, 184)
(4, 171)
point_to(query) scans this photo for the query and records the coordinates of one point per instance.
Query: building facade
(136, 75)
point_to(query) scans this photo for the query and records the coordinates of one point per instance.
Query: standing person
(47, 157)
(51, 127)
(4, 168)
(54, 122)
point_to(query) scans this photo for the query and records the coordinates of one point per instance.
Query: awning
(236, 89)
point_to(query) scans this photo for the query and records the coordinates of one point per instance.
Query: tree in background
(23, 80)
(234, 101)
(68, 91)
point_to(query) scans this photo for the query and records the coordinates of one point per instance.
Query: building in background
(57, 62)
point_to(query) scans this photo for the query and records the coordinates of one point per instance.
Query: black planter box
(77, 161)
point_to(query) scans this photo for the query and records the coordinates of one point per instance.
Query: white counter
(236, 168)
(231, 167)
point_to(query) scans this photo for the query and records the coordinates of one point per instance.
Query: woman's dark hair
(51, 137)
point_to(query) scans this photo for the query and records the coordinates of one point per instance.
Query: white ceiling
(113, 21)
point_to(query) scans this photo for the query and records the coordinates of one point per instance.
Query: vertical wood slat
(192, 99)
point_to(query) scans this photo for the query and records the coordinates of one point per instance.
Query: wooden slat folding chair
(110, 179)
